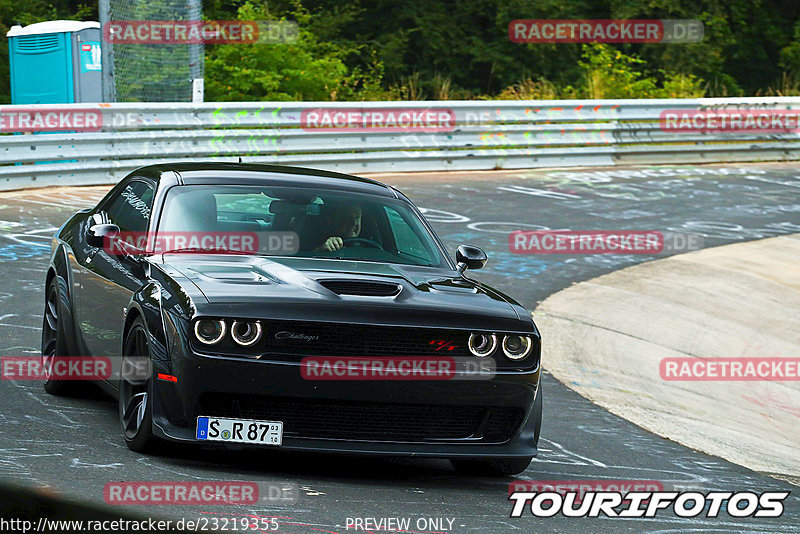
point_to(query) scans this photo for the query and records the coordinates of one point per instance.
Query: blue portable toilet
(55, 62)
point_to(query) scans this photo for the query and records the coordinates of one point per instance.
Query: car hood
(292, 288)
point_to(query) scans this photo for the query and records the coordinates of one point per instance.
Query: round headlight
(482, 344)
(209, 331)
(246, 333)
(516, 347)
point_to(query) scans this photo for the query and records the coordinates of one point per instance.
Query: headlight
(246, 333)
(482, 344)
(516, 347)
(209, 331)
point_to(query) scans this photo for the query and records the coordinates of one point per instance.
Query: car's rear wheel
(136, 392)
(491, 466)
(53, 342)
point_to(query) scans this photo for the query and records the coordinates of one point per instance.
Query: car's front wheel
(53, 341)
(136, 391)
(491, 466)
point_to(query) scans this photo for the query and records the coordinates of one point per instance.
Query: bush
(678, 85)
(608, 73)
(304, 70)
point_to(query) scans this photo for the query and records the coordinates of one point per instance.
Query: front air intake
(362, 288)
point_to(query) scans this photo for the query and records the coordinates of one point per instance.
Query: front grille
(361, 288)
(342, 339)
(311, 418)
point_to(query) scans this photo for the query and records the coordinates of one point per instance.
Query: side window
(404, 237)
(130, 210)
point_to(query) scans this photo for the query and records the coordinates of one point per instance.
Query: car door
(112, 273)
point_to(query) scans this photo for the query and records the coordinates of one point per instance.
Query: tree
(307, 69)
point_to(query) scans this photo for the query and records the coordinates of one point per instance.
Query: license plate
(240, 430)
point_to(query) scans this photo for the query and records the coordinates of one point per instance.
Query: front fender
(146, 303)
(166, 334)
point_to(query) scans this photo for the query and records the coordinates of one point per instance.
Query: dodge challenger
(268, 306)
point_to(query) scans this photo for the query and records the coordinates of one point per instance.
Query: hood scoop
(361, 288)
(453, 286)
(233, 276)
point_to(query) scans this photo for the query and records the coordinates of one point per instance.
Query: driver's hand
(332, 243)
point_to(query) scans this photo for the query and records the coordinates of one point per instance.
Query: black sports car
(345, 269)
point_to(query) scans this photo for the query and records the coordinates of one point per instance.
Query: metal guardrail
(481, 135)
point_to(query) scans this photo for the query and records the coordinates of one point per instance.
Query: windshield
(291, 221)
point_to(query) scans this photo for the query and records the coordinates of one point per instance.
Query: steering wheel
(361, 241)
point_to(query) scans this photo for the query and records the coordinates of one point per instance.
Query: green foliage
(678, 85)
(447, 49)
(308, 69)
(608, 73)
(540, 89)
(790, 54)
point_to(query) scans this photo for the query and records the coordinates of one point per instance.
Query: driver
(345, 223)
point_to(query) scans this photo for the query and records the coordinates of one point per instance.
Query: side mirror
(98, 233)
(470, 257)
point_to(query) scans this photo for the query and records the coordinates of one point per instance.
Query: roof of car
(254, 173)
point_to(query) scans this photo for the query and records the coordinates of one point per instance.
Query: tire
(491, 466)
(54, 344)
(136, 393)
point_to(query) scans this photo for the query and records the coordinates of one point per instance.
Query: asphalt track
(74, 446)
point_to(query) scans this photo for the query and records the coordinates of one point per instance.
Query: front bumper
(383, 417)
